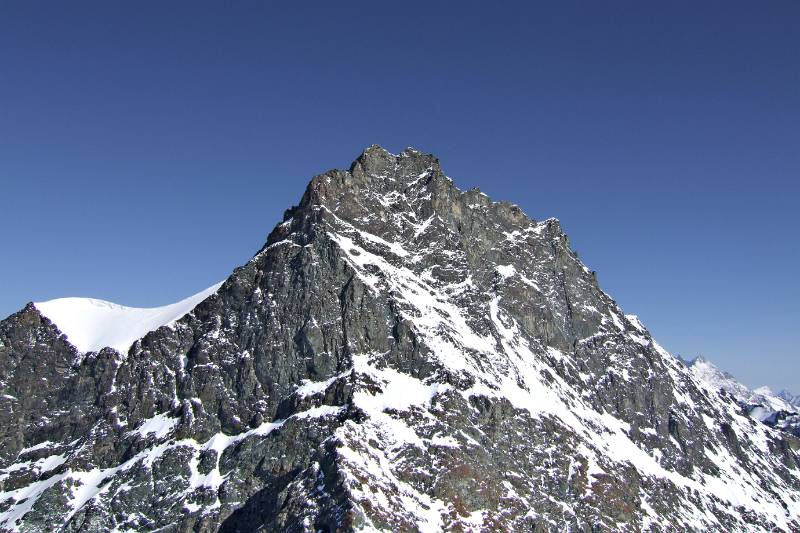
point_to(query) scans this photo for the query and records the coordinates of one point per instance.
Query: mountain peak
(401, 355)
(374, 156)
(376, 151)
(699, 359)
(377, 162)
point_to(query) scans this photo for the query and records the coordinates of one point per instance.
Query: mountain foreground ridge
(400, 355)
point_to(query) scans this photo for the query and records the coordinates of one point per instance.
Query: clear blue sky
(148, 148)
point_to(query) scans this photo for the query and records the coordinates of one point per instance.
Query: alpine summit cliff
(399, 356)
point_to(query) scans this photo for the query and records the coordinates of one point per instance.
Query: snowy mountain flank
(400, 355)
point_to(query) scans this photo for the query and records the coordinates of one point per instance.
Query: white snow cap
(91, 325)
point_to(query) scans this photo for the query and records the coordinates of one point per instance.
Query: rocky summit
(400, 355)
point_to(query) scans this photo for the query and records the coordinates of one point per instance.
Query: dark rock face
(400, 355)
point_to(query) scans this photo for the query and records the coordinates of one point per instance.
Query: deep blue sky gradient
(148, 148)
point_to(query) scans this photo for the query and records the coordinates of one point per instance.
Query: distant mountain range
(780, 410)
(793, 399)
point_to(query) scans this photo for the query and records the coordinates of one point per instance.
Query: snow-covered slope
(91, 324)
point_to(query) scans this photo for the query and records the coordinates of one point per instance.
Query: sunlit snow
(91, 324)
